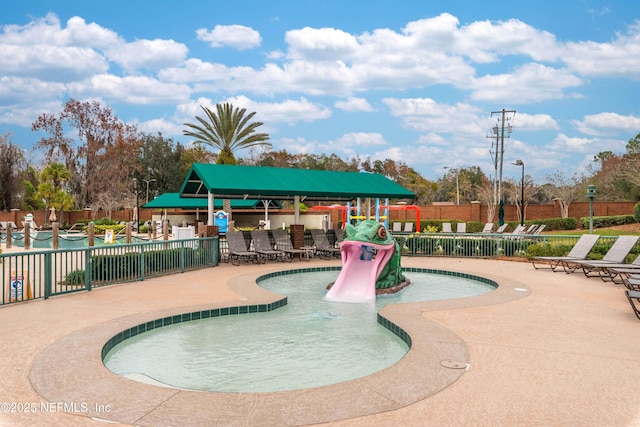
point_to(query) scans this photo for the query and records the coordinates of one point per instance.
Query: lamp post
(135, 188)
(147, 181)
(521, 163)
(591, 194)
(457, 184)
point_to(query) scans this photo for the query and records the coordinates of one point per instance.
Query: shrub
(636, 212)
(75, 278)
(607, 221)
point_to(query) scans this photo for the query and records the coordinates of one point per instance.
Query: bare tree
(564, 190)
(484, 192)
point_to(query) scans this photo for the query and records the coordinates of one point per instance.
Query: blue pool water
(309, 342)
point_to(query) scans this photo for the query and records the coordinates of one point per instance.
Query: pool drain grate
(454, 364)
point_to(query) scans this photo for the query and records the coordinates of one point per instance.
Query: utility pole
(500, 131)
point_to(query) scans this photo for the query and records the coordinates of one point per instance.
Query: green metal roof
(260, 182)
(173, 200)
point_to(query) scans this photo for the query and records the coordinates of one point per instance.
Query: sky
(421, 82)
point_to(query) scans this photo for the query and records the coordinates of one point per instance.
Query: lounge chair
(579, 251)
(446, 227)
(262, 245)
(520, 229)
(488, 228)
(632, 283)
(408, 227)
(539, 229)
(322, 245)
(238, 249)
(502, 228)
(634, 300)
(339, 235)
(461, 227)
(617, 272)
(283, 243)
(532, 229)
(615, 255)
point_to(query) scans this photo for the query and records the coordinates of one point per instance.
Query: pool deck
(546, 349)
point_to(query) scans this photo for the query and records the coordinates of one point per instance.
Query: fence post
(182, 256)
(48, 271)
(88, 268)
(141, 262)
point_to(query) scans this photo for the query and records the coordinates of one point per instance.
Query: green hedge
(607, 221)
(636, 212)
(127, 266)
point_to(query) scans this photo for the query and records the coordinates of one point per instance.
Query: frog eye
(382, 233)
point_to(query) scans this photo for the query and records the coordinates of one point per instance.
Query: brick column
(297, 235)
(475, 211)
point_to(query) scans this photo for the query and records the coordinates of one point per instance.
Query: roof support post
(296, 209)
(210, 212)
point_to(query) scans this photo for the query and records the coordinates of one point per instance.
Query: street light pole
(137, 221)
(521, 163)
(147, 181)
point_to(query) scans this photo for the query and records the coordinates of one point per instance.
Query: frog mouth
(362, 264)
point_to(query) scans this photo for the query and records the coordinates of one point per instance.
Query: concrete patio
(546, 349)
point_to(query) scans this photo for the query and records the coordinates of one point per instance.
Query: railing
(45, 273)
(488, 245)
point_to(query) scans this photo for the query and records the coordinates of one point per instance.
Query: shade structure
(268, 183)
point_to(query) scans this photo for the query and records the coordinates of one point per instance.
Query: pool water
(309, 342)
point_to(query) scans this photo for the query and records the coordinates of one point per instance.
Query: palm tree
(227, 129)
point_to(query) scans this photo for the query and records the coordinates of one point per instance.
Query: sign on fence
(19, 287)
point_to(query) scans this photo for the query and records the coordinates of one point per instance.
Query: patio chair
(633, 283)
(615, 255)
(339, 232)
(408, 227)
(502, 228)
(322, 245)
(262, 245)
(634, 300)
(238, 249)
(532, 229)
(617, 272)
(446, 227)
(488, 228)
(520, 229)
(539, 229)
(283, 243)
(580, 250)
(461, 227)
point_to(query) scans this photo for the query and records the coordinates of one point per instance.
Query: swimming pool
(306, 343)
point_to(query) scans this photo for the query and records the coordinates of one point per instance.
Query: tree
(12, 164)
(564, 190)
(104, 154)
(227, 129)
(51, 188)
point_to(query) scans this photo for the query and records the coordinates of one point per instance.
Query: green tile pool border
(262, 308)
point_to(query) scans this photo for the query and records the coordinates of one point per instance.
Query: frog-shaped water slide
(370, 264)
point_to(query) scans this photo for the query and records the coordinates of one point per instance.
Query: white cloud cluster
(435, 79)
(235, 36)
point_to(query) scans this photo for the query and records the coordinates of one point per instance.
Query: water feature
(309, 342)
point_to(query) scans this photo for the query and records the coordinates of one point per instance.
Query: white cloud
(604, 124)
(353, 104)
(534, 122)
(149, 54)
(235, 36)
(367, 139)
(323, 44)
(132, 89)
(427, 115)
(526, 84)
